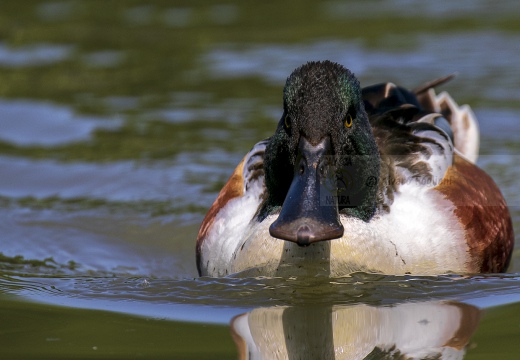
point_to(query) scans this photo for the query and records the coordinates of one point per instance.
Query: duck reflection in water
(430, 330)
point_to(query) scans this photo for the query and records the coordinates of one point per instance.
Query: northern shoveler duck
(379, 179)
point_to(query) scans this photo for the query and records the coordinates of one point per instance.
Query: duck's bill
(310, 211)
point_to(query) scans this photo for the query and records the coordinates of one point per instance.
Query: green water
(121, 120)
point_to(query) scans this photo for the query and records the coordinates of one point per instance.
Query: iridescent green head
(323, 142)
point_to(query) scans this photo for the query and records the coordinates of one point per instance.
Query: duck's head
(322, 160)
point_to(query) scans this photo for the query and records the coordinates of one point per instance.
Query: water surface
(120, 122)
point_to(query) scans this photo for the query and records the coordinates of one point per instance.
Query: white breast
(419, 236)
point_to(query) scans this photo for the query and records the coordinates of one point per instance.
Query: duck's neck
(359, 173)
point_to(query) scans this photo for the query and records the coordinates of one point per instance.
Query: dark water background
(121, 120)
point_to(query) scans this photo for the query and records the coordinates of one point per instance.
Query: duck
(379, 179)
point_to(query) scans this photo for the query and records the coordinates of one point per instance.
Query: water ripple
(235, 292)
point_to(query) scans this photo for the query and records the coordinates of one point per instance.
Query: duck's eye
(348, 121)
(287, 122)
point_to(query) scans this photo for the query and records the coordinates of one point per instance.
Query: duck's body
(380, 180)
